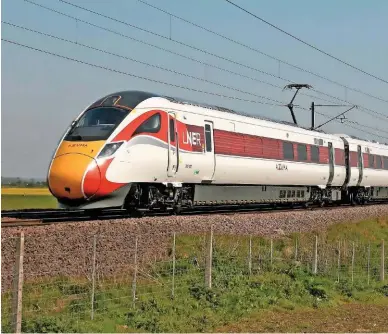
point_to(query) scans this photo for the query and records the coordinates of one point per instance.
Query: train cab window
(172, 130)
(379, 163)
(96, 124)
(302, 152)
(315, 153)
(371, 161)
(208, 137)
(288, 151)
(150, 125)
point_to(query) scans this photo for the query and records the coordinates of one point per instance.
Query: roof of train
(131, 98)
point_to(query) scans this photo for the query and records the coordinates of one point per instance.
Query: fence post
(353, 254)
(382, 264)
(134, 275)
(339, 261)
(368, 266)
(315, 269)
(173, 267)
(93, 275)
(17, 293)
(209, 259)
(296, 248)
(250, 256)
(271, 252)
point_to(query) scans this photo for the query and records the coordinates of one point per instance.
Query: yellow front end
(68, 169)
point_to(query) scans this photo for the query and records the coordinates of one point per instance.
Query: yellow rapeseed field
(25, 191)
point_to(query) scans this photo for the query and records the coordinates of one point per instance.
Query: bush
(46, 324)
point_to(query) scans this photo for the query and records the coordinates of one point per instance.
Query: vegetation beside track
(236, 302)
(25, 191)
(15, 198)
(17, 202)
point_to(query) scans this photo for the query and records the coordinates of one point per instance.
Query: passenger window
(371, 161)
(379, 163)
(288, 193)
(302, 152)
(293, 194)
(288, 151)
(172, 130)
(386, 163)
(298, 193)
(282, 194)
(302, 193)
(208, 137)
(315, 153)
(150, 125)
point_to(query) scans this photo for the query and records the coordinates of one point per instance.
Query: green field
(14, 198)
(15, 202)
(238, 301)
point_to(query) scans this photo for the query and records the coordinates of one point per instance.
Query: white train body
(183, 154)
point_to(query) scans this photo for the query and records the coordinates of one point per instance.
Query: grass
(25, 191)
(284, 296)
(15, 202)
(353, 317)
(27, 198)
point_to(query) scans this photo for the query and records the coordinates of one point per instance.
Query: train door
(173, 146)
(208, 157)
(360, 165)
(331, 163)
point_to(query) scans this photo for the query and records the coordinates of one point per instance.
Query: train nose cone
(66, 176)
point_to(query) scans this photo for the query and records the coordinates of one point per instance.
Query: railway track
(40, 217)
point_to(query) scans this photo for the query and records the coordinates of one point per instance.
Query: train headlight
(109, 149)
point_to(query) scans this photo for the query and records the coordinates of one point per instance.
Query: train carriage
(145, 151)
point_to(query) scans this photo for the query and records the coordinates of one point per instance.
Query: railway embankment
(67, 249)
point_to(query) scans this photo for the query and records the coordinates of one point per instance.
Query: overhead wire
(177, 53)
(134, 75)
(141, 62)
(258, 51)
(384, 118)
(139, 77)
(146, 43)
(306, 43)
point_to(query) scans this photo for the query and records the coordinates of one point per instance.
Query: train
(141, 151)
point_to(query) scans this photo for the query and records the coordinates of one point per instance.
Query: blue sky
(41, 94)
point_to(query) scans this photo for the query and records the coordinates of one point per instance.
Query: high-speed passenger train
(143, 151)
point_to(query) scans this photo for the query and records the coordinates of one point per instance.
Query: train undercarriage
(175, 197)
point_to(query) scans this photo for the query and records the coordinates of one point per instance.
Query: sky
(42, 94)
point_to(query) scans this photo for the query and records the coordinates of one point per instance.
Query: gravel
(67, 248)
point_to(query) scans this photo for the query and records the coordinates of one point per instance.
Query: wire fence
(88, 279)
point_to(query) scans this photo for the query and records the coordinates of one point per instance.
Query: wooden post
(209, 259)
(353, 254)
(93, 275)
(368, 268)
(17, 293)
(173, 268)
(134, 276)
(250, 256)
(315, 268)
(382, 264)
(296, 249)
(339, 261)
